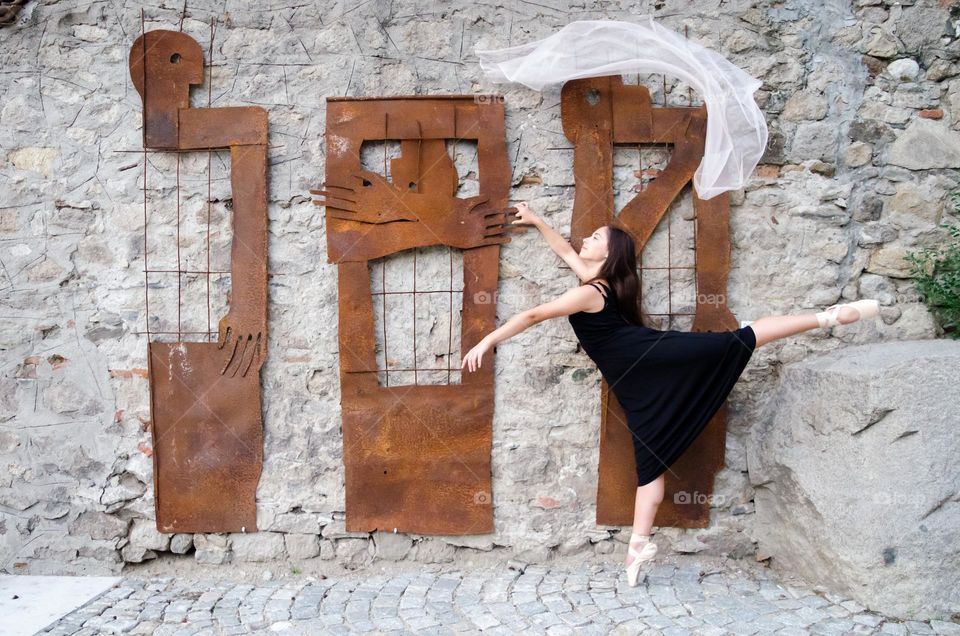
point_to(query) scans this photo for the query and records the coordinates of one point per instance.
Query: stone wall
(863, 103)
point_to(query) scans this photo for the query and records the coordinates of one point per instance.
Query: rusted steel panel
(205, 397)
(202, 128)
(698, 466)
(416, 457)
(207, 447)
(598, 113)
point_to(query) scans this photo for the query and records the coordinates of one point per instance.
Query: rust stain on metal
(596, 114)
(205, 398)
(417, 457)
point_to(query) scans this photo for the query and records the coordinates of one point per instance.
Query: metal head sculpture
(163, 66)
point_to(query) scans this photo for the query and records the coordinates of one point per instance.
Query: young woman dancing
(669, 383)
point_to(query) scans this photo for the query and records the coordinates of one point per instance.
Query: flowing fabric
(736, 128)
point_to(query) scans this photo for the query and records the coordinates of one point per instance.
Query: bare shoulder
(602, 281)
(575, 299)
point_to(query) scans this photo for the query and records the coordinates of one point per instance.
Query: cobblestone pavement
(682, 598)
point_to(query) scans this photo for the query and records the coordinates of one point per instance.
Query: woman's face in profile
(594, 247)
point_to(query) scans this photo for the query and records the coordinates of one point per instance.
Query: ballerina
(669, 383)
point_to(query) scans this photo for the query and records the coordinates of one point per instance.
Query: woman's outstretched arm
(570, 302)
(557, 243)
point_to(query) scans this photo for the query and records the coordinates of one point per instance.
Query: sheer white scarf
(736, 128)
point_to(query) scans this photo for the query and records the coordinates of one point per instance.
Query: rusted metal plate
(598, 113)
(369, 216)
(205, 397)
(207, 447)
(202, 128)
(417, 457)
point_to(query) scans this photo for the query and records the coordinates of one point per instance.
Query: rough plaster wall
(827, 218)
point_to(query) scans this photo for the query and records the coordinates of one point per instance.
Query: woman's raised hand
(525, 215)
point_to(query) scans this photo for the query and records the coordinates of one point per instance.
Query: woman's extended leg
(648, 500)
(770, 328)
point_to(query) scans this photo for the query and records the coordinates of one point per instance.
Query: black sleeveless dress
(669, 383)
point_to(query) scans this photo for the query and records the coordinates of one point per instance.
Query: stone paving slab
(685, 597)
(28, 603)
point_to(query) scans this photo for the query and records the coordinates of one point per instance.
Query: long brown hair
(620, 270)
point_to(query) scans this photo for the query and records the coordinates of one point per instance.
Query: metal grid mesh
(186, 237)
(667, 263)
(414, 291)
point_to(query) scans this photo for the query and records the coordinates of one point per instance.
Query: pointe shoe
(646, 553)
(867, 308)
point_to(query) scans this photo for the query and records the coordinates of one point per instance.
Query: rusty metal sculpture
(9, 10)
(596, 114)
(417, 457)
(205, 397)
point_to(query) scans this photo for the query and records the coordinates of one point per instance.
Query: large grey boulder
(857, 479)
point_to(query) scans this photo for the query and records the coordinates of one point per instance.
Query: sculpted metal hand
(245, 341)
(473, 223)
(461, 223)
(369, 198)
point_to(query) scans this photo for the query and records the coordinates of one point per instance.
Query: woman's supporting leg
(770, 328)
(645, 507)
